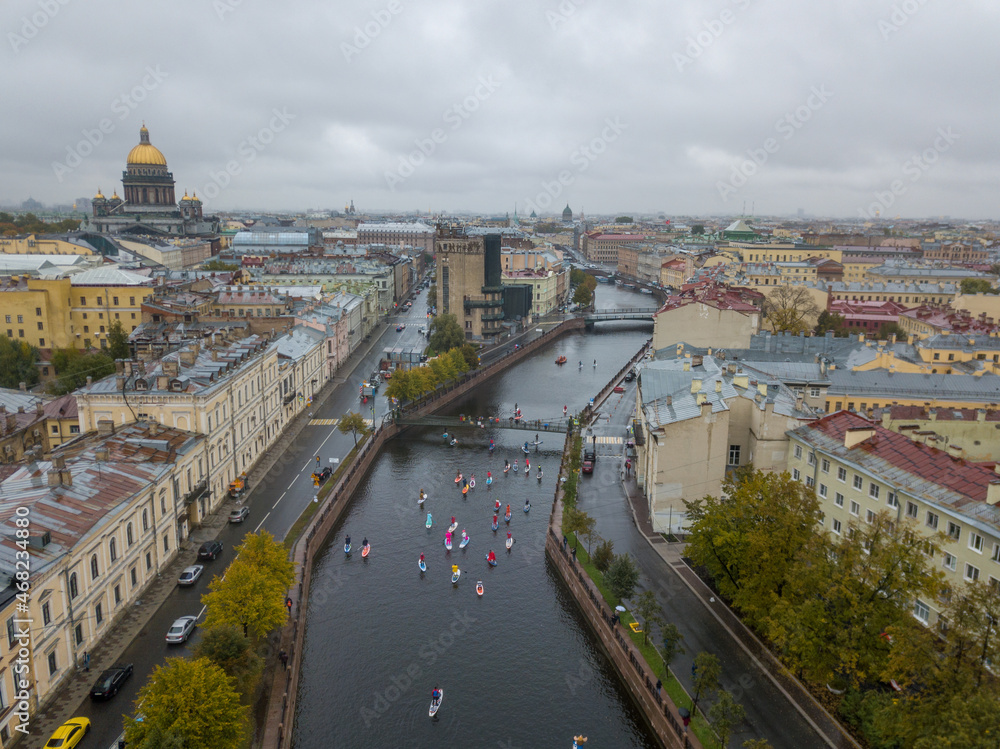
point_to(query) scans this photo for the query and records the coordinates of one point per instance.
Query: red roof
(928, 463)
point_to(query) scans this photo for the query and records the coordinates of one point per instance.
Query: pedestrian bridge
(451, 423)
(628, 313)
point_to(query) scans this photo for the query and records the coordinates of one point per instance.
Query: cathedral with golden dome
(148, 205)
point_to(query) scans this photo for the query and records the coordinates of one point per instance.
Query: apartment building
(708, 315)
(469, 282)
(858, 468)
(601, 247)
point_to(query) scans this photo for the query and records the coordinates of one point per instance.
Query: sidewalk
(796, 693)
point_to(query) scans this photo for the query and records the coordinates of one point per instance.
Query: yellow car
(69, 734)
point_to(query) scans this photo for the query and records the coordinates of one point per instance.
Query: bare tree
(790, 309)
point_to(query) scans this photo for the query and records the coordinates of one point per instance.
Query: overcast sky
(843, 108)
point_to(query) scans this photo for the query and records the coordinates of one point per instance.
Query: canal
(518, 667)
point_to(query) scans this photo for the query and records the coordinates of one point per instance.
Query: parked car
(210, 550)
(181, 629)
(630, 376)
(239, 514)
(69, 734)
(190, 575)
(619, 389)
(111, 681)
(589, 458)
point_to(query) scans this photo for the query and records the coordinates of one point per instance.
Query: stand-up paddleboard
(436, 704)
(429, 520)
(510, 542)
(464, 542)
(365, 550)
(347, 548)
(422, 565)
(455, 575)
(496, 523)
(527, 506)
(479, 588)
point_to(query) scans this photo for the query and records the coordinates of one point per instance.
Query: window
(41, 344)
(74, 428)
(798, 452)
(954, 531)
(83, 301)
(118, 595)
(950, 561)
(975, 542)
(114, 301)
(113, 549)
(100, 301)
(838, 499)
(795, 474)
(149, 562)
(810, 481)
(971, 573)
(78, 634)
(38, 311)
(98, 613)
(166, 542)
(131, 301)
(911, 510)
(20, 318)
(873, 490)
(858, 482)
(932, 520)
(824, 466)
(921, 611)
(811, 460)
(53, 666)
(996, 553)
(822, 490)
(134, 577)
(869, 516)
(7, 318)
(11, 634)
(841, 473)
(74, 591)
(128, 534)
(46, 614)
(855, 508)
(734, 455)
(41, 327)
(814, 392)
(94, 569)
(145, 520)
(891, 499)
(20, 333)
(837, 526)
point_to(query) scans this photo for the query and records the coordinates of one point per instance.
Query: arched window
(113, 549)
(73, 589)
(145, 520)
(94, 571)
(128, 534)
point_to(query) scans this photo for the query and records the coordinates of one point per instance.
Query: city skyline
(855, 110)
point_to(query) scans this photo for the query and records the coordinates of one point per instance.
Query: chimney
(886, 417)
(741, 380)
(170, 367)
(993, 493)
(980, 414)
(697, 360)
(762, 388)
(695, 386)
(39, 409)
(154, 428)
(687, 365)
(11, 422)
(119, 383)
(800, 401)
(718, 386)
(932, 414)
(956, 451)
(187, 357)
(670, 402)
(102, 453)
(706, 406)
(23, 386)
(105, 427)
(89, 380)
(857, 435)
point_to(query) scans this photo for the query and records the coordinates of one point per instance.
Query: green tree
(354, 424)
(576, 276)
(830, 321)
(698, 229)
(471, 355)
(624, 220)
(790, 309)
(583, 296)
(399, 387)
(648, 609)
(457, 360)
(118, 346)
(247, 599)
(73, 367)
(672, 639)
(576, 521)
(228, 649)
(444, 369)
(749, 540)
(890, 329)
(976, 286)
(17, 363)
(995, 269)
(216, 264)
(261, 551)
(622, 576)
(604, 554)
(446, 333)
(423, 380)
(188, 703)
(725, 715)
(706, 677)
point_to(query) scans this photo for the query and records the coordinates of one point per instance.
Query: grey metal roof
(299, 341)
(880, 383)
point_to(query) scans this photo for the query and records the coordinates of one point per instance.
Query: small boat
(527, 506)
(422, 565)
(509, 542)
(455, 574)
(495, 524)
(429, 520)
(436, 704)
(447, 541)
(453, 526)
(479, 588)
(645, 291)
(347, 548)
(365, 550)
(464, 542)
(561, 360)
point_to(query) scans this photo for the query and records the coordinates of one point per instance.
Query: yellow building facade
(32, 244)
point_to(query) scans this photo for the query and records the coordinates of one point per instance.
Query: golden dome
(115, 196)
(99, 196)
(195, 198)
(145, 153)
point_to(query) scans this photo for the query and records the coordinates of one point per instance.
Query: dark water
(518, 666)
